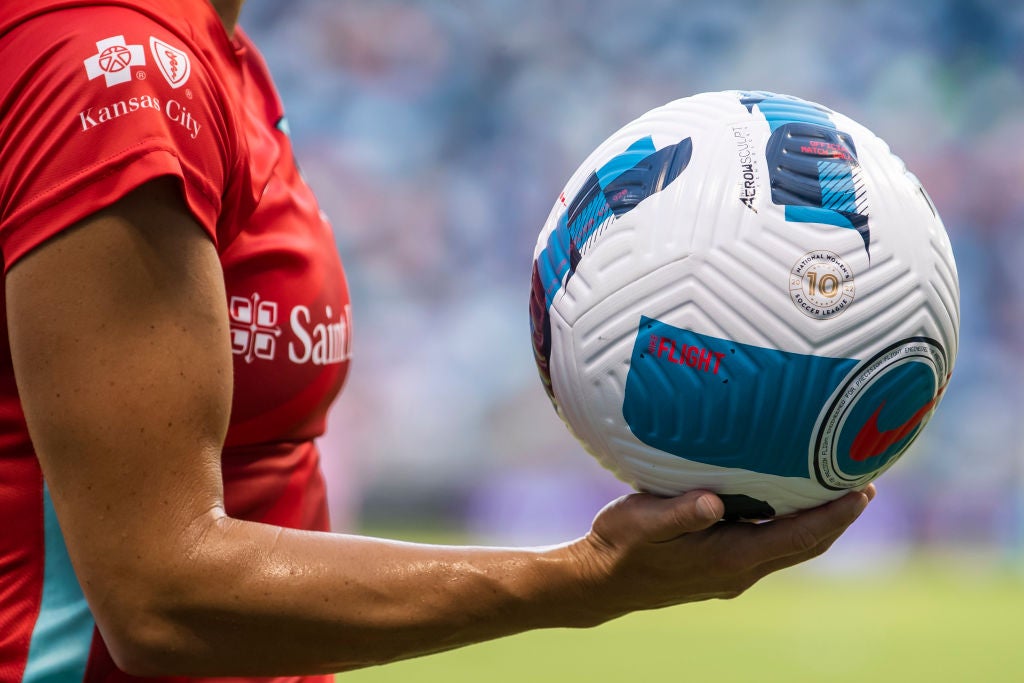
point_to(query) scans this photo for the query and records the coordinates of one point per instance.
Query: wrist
(574, 575)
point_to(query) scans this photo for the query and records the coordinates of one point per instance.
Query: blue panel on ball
(779, 110)
(811, 164)
(723, 403)
(612, 190)
(649, 175)
(621, 163)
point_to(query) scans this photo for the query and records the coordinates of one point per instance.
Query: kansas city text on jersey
(172, 109)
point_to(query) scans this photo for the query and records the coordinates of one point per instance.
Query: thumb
(669, 518)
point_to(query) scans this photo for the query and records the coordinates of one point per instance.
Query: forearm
(257, 599)
(246, 598)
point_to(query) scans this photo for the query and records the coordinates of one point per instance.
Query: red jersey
(97, 98)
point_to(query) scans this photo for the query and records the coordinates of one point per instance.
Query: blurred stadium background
(438, 135)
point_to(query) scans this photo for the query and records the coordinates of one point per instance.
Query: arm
(119, 340)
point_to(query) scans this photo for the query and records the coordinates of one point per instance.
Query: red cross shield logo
(114, 60)
(173, 63)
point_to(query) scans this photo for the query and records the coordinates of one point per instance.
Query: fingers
(652, 551)
(870, 492)
(795, 539)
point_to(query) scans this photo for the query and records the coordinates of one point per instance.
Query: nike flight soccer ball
(748, 293)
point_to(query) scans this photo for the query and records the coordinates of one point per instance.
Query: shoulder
(100, 98)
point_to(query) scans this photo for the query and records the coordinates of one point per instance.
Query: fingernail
(706, 508)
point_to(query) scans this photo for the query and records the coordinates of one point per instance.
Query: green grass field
(930, 621)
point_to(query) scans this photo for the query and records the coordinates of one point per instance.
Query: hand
(645, 552)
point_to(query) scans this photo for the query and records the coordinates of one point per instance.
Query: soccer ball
(748, 293)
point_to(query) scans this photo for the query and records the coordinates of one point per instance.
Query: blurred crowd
(438, 135)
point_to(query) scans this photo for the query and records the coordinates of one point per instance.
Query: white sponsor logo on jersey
(114, 60)
(255, 330)
(172, 62)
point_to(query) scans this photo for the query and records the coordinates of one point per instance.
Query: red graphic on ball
(871, 442)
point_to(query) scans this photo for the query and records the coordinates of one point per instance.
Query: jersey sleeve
(97, 101)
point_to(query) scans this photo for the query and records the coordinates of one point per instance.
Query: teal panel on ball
(724, 403)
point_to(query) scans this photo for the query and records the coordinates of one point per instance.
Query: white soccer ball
(748, 293)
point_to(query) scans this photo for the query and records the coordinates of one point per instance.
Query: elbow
(149, 608)
(149, 614)
(142, 651)
(144, 640)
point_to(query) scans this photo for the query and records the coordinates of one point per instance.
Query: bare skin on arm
(124, 371)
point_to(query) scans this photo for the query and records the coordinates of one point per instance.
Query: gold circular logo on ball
(821, 284)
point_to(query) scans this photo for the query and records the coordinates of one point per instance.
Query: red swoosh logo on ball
(871, 443)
